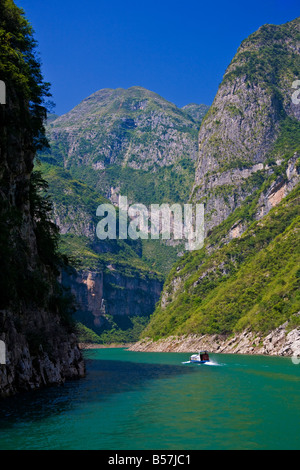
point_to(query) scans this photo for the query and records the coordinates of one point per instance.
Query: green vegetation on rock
(247, 274)
(253, 281)
(118, 329)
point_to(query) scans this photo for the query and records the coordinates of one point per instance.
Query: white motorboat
(200, 358)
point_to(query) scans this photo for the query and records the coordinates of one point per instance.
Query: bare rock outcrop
(283, 341)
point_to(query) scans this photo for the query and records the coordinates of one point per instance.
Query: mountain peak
(252, 105)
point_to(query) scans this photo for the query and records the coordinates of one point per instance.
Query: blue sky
(178, 49)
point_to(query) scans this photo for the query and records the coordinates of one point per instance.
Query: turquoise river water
(138, 401)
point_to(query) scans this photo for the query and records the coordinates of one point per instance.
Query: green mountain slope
(197, 111)
(131, 141)
(252, 281)
(74, 212)
(113, 271)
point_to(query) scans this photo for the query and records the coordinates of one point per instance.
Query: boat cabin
(200, 358)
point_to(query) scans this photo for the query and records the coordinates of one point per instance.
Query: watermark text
(158, 221)
(2, 352)
(2, 92)
(296, 94)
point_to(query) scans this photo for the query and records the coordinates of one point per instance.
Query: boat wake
(208, 363)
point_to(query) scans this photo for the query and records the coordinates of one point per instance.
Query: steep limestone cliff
(134, 127)
(252, 105)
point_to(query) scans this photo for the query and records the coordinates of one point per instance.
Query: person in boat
(204, 356)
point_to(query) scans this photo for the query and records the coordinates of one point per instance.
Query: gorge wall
(244, 283)
(111, 292)
(40, 346)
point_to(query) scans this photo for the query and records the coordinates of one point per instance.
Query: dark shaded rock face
(39, 352)
(40, 348)
(111, 292)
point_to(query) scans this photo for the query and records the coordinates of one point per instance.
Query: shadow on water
(103, 379)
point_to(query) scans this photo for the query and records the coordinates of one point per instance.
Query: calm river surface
(142, 401)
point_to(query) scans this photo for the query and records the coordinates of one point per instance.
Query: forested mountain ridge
(129, 141)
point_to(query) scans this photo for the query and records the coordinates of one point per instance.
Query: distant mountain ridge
(119, 136)
(197, 111)
(109, 120)
(41, 348)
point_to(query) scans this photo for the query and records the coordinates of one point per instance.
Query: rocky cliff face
(111, 292)
(237, 137)
(130, 142)
(40, 347)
